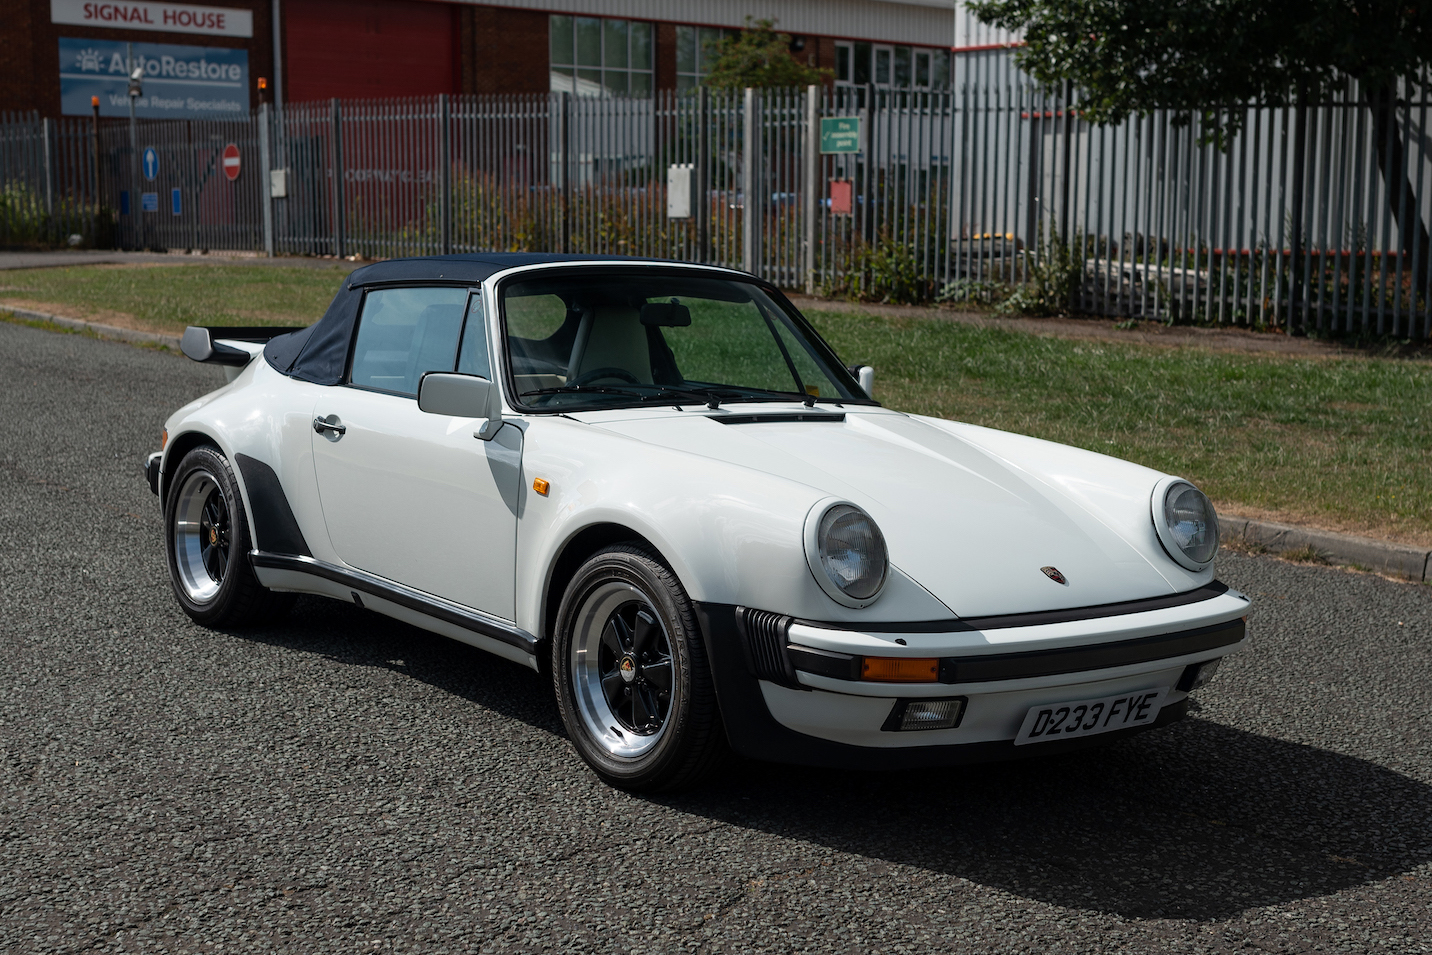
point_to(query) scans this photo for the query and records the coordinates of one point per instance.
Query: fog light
(925, 715)
(1197, 675)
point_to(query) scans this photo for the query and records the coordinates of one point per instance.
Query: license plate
(1078, 718)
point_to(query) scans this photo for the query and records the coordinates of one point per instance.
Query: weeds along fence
(47, 181)
(999, 191)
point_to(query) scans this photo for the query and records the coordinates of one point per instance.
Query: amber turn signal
(163, 439)
(541, 486)
(900, 669)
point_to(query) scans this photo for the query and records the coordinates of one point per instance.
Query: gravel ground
(345, 783)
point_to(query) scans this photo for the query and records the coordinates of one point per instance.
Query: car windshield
(601, 339)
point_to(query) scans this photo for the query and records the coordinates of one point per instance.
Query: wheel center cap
(628, 669)
(213, 535)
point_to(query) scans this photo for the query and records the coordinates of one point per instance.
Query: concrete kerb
(1384, 557)
(133, 336)
(1380, 556)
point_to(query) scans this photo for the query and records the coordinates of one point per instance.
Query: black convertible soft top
(319, 352)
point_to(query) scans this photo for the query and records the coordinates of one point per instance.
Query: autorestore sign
(169, 17)
(180, 82)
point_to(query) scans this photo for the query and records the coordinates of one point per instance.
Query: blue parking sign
(151, 163)
(149, 201)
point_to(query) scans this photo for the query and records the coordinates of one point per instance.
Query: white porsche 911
(658, 484)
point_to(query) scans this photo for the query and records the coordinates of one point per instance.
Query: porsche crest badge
(1053, 574)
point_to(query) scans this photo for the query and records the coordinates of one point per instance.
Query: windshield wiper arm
(586, 389)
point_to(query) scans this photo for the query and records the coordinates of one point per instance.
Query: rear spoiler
(199, 341)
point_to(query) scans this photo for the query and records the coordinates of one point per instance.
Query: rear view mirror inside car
(670, 314)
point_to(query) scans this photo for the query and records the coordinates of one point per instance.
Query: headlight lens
(1191, 521)
(852, 551)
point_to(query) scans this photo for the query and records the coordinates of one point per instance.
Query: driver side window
(404, 332)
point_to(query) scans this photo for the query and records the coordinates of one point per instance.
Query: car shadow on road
(1194, 821)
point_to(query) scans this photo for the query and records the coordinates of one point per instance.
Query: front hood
(966, 523)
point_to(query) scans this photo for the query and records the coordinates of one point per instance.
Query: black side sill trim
(959, 625)
(400, 595)
(770, 416)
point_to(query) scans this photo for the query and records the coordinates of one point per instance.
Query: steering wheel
(621, 374)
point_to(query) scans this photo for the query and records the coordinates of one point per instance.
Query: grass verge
(166, 298)
(1340, 443)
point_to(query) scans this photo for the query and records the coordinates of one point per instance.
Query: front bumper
(151, 470)
(778, 707)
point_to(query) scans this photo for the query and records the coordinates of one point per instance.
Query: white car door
(407, 495)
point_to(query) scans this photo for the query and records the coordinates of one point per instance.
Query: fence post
(445, 170)
(750, 202)
(868, 213)
(1300, 161)
(564, 126)
(337, 157)
(94, 160)
(812, 181)
(703, 173)
(265, 167)
(47, 132)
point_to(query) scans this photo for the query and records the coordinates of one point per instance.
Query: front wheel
(632, 682)
(206, 535)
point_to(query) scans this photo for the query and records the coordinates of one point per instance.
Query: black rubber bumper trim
(1099, 656)
(755, 734)
(1038, 618)
(151, 470)
(402, 596)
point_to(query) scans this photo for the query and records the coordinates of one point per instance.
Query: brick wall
(30, 54)
(509, 51)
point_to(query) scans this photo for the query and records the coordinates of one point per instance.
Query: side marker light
(541, 486)
(163, 439)
(900, 669)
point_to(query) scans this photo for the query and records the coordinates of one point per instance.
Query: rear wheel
(206, 536)
(632, 681)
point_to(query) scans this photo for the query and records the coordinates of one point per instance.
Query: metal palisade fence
(1312, 217)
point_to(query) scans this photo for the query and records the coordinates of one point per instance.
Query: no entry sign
(231, 162)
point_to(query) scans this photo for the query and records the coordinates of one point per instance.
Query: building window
(697, 49)
(596, 56)
(892, 67)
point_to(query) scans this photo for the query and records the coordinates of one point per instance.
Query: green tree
(1209, 58)
(759, 56)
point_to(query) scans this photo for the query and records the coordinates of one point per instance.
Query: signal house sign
(168, 17)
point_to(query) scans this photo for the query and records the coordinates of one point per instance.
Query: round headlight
(848, 555)
(1186, 523)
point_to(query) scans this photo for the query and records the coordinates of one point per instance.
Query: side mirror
(461, 396)
(865, 376)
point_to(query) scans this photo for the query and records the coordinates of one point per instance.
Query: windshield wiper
(587, 389)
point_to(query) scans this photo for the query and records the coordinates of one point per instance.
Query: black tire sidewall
(222, 606)
(630, 565)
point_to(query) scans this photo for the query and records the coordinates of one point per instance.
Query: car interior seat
(611, 336)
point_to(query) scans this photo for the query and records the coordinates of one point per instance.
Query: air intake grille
(763, 636)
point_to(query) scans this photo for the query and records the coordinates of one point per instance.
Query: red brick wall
(366, 49)
(509, 51)
(30, 50)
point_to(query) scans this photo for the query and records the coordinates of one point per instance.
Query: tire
(206, 538)
(631, 677)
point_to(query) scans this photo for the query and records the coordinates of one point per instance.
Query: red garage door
(359, 49)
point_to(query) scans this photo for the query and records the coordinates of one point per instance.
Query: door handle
(330, 427)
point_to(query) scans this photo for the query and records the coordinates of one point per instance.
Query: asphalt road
(343, 783)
